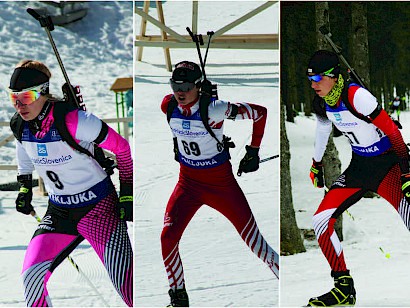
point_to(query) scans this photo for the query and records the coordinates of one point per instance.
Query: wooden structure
(171, 39)
(120, 86)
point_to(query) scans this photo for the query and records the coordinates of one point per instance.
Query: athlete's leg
(108, 236)
(390, 189)
(180, 209)
(231, 202)
(39, 263)
(336, 201)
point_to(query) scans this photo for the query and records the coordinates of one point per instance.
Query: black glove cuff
(252, 151)
(126, 189)
(25, 180)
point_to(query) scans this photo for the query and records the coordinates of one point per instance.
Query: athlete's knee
(35, 280)
(168, 236)
(320, 221)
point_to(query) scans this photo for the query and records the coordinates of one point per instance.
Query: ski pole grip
(33, 13)
(190, 32)
(45, 21)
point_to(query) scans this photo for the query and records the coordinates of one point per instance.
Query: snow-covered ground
(95, 51)
(379, 281)
(219, 268)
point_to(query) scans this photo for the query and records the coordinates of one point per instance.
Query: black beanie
(25, 78)
(186, 71)
(322, 61)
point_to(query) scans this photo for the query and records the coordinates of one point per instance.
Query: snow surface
(220, 270)
(379, 281)
(95, 51)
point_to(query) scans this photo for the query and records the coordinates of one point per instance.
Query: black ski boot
(343, 294)
(179, 298)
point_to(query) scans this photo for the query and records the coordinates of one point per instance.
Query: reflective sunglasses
(27, 96)
(319, 77)
(180, 86)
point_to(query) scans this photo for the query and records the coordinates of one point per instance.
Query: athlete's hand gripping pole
(25, 195)
(316, 174)
(250, 162)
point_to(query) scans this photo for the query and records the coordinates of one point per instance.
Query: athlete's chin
(182, 101)
(26, 116)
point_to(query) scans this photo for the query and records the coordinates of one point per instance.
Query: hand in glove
(23, 201)
(125, 204)
(250, 162)
(76, 99)
(316, 174)
(405, 182)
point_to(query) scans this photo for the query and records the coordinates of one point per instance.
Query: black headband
(24, 78)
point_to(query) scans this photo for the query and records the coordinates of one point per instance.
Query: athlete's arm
(87, 127)
(366, 103)
(221, 110)
(24, 164)
(323, 130)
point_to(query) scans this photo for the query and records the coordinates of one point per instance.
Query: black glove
(23, 201)
(250, 162)
(405, 186)
(125, 204)
(76, 100)
(316, 174)
(176, 151)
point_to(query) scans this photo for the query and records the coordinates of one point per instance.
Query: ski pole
(326, 33)
(47, 24)
(197, 40)
(73, 263)
(209, 33)
(268, 158)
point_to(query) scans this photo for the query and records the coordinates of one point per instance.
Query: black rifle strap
(170, 108)
(348, 104)
(204, 101)
(319, 106)
(16, 125)
(103, 133)
(60, 111)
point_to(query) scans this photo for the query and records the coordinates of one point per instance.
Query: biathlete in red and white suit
(379, 158)
(83, 203)
(206, 174)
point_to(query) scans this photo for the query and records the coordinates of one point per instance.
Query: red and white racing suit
(206, 178)
(379, 158)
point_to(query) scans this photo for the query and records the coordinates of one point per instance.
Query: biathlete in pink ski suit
(206, 173)
(83, 203)
(379, 163)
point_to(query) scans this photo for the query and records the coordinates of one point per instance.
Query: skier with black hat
(379, 163)
(83, 203)
(205, 171)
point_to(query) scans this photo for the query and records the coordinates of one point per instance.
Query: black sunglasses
(181, 86)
